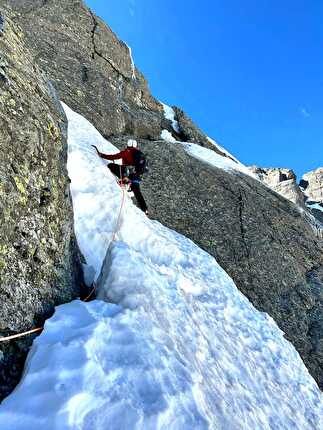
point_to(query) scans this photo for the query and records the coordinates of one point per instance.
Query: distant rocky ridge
(263, 241)
(308, 194)
(312, 187)
(281, 180)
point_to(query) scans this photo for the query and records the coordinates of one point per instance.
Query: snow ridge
(219, 147)
(216, 160)
(212, 158)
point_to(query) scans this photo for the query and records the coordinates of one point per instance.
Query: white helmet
(132, 143)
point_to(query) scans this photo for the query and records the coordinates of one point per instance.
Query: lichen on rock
(39, 262)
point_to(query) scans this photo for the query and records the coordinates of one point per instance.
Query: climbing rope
(115, 231)
(15, 336)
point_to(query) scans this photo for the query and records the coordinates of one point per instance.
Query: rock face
(261, 239)
(312, 184)
(102, 83)
(39, 261)
(283, 181)
(307, 195)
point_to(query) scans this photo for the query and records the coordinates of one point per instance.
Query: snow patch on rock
(167, 136)
(133, 68)
(170, 115)
(220, 148)
(315, 205)
(216, 160)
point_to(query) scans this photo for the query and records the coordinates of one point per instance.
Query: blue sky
(248, 72)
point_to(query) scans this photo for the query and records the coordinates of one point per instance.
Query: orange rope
(91, 293)
(16, 336)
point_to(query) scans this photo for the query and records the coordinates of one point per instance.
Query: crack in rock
(97, 52)
(242, 229)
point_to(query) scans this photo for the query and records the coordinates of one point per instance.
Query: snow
(219, 147)
(167, 136)
(227, 163)
(133, 68)
(216, 160)
(315, 205)
(170, 115)
(170, 343)
(90, 194)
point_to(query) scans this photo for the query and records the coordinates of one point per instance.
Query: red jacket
(126, 155)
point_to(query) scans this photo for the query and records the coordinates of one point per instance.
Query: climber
(133, 166)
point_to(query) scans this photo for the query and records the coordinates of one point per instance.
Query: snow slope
(172, 344)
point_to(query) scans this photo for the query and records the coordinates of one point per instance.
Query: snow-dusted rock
(312, 187)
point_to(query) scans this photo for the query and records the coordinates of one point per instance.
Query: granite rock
(39, 258)
(92, 69)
